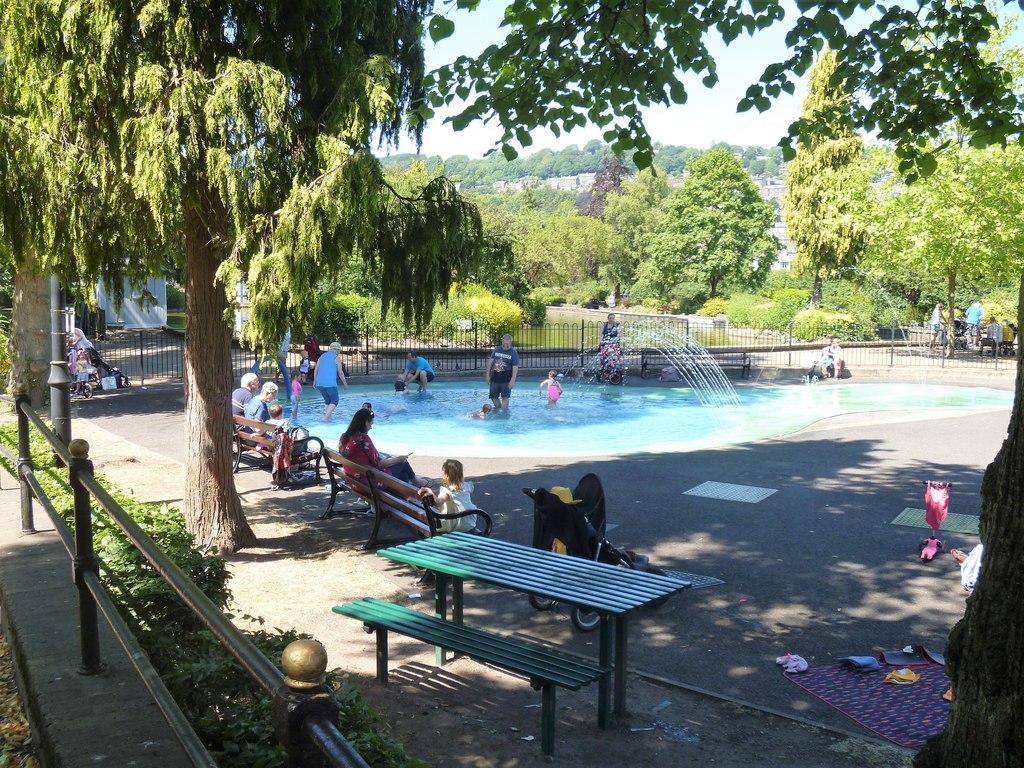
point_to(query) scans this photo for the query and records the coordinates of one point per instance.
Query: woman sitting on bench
(355, 444)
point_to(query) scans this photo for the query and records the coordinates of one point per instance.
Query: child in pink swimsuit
(296, 396)
(554, 388)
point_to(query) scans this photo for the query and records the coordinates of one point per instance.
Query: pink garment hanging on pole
(936, 504)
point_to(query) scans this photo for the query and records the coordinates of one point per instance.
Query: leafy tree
(565, 249)
(827, 235)
(248, 130)
(961, 223)
(634, 213)
(625, 56)
(716, 229)
(608, 181)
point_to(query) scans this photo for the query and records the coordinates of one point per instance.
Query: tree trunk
(985, 655)
(213, 511)
(30, 330)
(950, 351)
(816, 290)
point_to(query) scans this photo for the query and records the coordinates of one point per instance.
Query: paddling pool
(591, 420)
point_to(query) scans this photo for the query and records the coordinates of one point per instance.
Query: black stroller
(960, 334)
(578, 530)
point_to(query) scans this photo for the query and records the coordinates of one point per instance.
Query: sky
(708, 116)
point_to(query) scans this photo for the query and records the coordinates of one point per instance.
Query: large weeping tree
(826, 233)
(238, 135)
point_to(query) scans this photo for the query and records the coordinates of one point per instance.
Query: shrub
(497, 315)
(1001, 303)
(687, 297)
(812, 324)
(551, 297)
(338, 316)
(784, 278)
(586, 294)
(175, 297)
(534, 310)
(227, 709)
(745, 309)
(714, 307)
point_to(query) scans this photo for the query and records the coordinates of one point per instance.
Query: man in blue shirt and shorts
(502, 368)
(417, 370)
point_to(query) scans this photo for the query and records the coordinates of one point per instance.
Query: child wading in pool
(296, 395)
(554, 388)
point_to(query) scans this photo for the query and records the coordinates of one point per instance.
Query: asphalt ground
(814, 569)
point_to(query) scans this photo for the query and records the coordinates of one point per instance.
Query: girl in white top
(453, 496)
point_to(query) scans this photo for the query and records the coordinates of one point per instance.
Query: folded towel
(861, 663)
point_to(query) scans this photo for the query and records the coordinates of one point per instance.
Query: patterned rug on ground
(907, 715)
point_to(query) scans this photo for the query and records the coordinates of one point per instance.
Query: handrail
(237, 644)
(305, 713)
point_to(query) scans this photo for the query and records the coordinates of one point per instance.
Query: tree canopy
(716, 229)
(911, 68)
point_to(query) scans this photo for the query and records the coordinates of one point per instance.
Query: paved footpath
(815, 569)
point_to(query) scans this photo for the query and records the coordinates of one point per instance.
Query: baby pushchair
(100, 373)
(609, 368)
(578, 530)
(960, 334)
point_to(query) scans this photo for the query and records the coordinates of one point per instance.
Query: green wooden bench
(545, 669)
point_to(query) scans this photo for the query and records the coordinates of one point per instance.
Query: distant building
(144, 307)
(775, 189)
(575, 183)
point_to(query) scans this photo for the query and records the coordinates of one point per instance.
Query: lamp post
(62, 320)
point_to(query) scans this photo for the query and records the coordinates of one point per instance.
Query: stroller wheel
(87, 391)
(585, 621)
(541, 603)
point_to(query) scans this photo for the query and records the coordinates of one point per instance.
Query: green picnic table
(611, 591)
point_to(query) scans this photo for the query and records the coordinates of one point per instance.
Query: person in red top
(355, 444)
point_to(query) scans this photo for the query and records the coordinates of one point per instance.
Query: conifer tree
(827, 235)
(239, 135)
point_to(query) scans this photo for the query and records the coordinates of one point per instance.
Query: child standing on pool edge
(554, 388)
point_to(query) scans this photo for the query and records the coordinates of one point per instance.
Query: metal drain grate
(954, 523)
(696, 580)
(729, 492)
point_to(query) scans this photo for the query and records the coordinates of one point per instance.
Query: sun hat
(565, 495)
(335, 346)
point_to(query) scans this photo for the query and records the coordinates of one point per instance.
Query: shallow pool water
(594, 420)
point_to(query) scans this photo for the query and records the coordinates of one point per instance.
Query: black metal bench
(341, 482)
(725, 358)
(546, 669)
(259, 444)
(390, 499)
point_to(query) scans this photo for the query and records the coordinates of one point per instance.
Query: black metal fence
(153, 354)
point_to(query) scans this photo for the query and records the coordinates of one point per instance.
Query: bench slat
(515, 655)
(622, 590)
